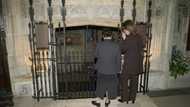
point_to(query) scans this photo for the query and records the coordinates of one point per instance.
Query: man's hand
(123, 35)
(118, 75)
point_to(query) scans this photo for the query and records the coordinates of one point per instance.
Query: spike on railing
(122, 3)
(63, 3)
(63, 11)
(31, 2)
(122, 11)
(134, 11)
(149, 12)
(50, 10)
(31, 11)
(49, 3)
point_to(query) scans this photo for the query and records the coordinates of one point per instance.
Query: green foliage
(179, 65)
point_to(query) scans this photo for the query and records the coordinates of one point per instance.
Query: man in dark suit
(107, 66)
(132, 47)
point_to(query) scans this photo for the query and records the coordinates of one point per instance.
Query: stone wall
(17, 46)
(179, 38)
(80, 12)
(174, 26)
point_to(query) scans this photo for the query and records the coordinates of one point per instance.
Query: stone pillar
(18, 47)
(163, 25)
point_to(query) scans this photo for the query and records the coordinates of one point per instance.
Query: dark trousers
(107, 83)
(129, 85)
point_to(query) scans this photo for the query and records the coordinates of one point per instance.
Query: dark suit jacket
(132, 48)
(108, 58)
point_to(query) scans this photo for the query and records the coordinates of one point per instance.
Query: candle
(31, 2)
(63, 3)
(49, 2)
(122, 3)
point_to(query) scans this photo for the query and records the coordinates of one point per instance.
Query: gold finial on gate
(134, 11)
(63, 11)
(31, 11)
(31, 2)
(49, 2)
(149, 12)
(63, 2)
(122, 11)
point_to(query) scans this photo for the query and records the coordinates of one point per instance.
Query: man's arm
(122, 46)
(96, 53)
(118, 59)
(141, 32)
(142, 41)
(141, 45)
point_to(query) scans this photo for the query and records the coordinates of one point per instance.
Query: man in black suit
(132, 48)
(108, 66)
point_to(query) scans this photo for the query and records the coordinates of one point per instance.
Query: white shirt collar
(107, 38)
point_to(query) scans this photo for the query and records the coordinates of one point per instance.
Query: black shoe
(107, 102)
(127, 102)
(133, 101)
(95, 103)
(121, 101)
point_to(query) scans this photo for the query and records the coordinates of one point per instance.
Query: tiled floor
(142, 101)
(171, 98)
(173, 101)
(170, 92)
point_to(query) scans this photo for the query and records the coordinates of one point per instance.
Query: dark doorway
(5, 85)
(76, 75)
(188, 38)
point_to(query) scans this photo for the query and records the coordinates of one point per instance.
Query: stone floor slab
(142, 101)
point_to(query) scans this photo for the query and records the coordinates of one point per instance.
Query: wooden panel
(42, 35)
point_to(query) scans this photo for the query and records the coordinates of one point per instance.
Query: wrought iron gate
(63, 66)
(6, 97)
(4, 69)
(75, 73)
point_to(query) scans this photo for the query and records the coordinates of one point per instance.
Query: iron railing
(61, 73)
